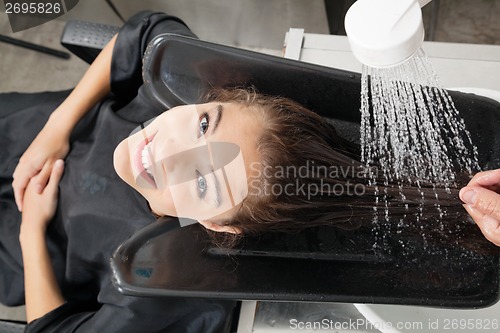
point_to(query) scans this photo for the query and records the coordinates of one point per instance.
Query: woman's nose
(168, 162)
(176, 136)
(170, 145)
(181, 167)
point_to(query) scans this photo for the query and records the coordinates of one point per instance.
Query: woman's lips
(142, 173)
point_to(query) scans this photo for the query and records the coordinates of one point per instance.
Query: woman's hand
(52, 142)
(42, 293)
(39, 208)
(482, 198)
(35, 165)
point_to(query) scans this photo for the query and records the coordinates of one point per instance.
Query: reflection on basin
(403, 319)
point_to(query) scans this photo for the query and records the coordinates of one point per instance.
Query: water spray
(410, 128)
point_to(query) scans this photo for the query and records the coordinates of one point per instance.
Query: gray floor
(254, 24)
(258, 25)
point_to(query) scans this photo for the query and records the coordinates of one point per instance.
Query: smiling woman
(126, 161)
(188, 166)
(54, 254)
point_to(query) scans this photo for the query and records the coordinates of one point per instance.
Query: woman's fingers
(22, 175)
(43, 177)
(490, 227)
(55, 176)
(19, 185)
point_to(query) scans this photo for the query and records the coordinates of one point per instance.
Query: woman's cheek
(160, 202)
(121, 160)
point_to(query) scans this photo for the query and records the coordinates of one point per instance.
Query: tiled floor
(256, 24)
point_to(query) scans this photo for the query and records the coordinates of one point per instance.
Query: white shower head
(385, 33)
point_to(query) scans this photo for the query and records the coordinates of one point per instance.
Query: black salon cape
(97, 211)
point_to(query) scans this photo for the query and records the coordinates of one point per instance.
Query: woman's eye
(204, 123)
(201, 184)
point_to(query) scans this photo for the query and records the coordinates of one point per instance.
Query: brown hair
(294, 137)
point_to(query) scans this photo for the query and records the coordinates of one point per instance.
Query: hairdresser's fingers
(490, 227)
(22, 175)
(489, 178)
(482, 200)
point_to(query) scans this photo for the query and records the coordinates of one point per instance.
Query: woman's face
(193, 161)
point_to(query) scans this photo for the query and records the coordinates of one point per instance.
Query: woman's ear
(220, 228)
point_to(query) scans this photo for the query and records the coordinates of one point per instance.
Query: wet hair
(309, 176)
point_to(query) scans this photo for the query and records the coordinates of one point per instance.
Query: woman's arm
(94, 86)
(42, 294)
(482, 198)
(52, 142)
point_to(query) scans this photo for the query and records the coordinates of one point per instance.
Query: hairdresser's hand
(35, 165)
(39, 208)
(482, 198)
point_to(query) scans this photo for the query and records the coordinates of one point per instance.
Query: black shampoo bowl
(321, 264)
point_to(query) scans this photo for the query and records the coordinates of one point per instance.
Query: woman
(61, 269)
(71, 252)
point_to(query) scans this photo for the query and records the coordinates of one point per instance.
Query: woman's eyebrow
(218, 117)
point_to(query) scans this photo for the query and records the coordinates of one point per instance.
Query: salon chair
(322, 264)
